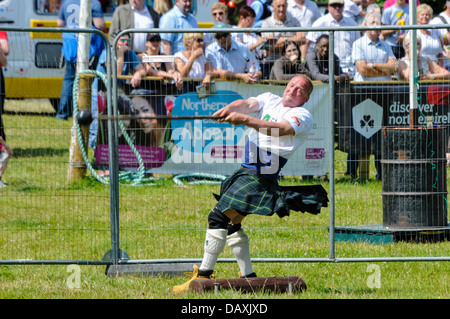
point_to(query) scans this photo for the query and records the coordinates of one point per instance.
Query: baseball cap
(330, 2)
(221, 25)
(151, 36)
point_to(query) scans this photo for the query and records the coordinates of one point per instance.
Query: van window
(48, 55)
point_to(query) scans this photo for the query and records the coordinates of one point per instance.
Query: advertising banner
(204, 145)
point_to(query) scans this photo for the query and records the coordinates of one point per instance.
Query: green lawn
(42, 217)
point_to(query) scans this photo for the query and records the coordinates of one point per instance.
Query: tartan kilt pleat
(248, 192)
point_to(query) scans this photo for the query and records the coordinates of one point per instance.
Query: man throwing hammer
(280, 127)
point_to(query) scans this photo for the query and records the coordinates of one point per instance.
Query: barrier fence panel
(167, 157)
(174, 227)
(44, 215)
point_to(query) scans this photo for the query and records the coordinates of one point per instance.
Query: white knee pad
(238, 237)
(215, 240)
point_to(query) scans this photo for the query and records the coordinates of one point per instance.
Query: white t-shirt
(272, 109)
(142, 20)
(343, 41)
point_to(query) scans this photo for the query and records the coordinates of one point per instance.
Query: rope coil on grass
(141, 170)
(212, 179)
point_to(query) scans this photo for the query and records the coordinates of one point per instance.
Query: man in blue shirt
(262, 10)
(179, 17)
(231, 59)
(69, 17)
(373, 58)
(397, 14)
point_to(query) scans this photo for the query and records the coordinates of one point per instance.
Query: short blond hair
(425, 7)
(188, 38)
(219, 5)
(407, 40)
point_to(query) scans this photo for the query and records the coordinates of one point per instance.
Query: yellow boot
(185, 287)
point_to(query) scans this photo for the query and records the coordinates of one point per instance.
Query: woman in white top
(432, 42)
(192, 63)
(428, 69)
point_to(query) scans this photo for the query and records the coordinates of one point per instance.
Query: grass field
(44, 218)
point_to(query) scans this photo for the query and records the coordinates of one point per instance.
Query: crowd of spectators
(279, 55)
(359, 56)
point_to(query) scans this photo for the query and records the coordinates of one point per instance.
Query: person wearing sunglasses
(128, 63)
(192, 63)
(232, 60)
(219, 12)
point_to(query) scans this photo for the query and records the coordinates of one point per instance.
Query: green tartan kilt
(247, 192)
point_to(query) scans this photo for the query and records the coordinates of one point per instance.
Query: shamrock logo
(367, 122)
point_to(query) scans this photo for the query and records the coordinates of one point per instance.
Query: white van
(35, 64)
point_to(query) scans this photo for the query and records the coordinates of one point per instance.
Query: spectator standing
(4, 51)
(367, 6)
(374, 61)
(128, 63)
(5, 153)
(163, 70)
(289, 65)
(68, 19)
(230, 59)
(373, 57)
(343, 41)
(432, 43)
(179, 17)
(251, 40)
(305, 11)
(192, 63)
(262, 9)
(428, 69)
(317, 62)
(389, 3)
(444, 18)
(162, 6)
(219, 12)
(352, 10)
(134, 15)
(279, 19)
(397, 14)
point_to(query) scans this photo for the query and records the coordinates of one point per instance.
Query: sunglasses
(155, 39)
(199, 40)
(125, 40)
(337, 5)
(221, 36)
(221, 13)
